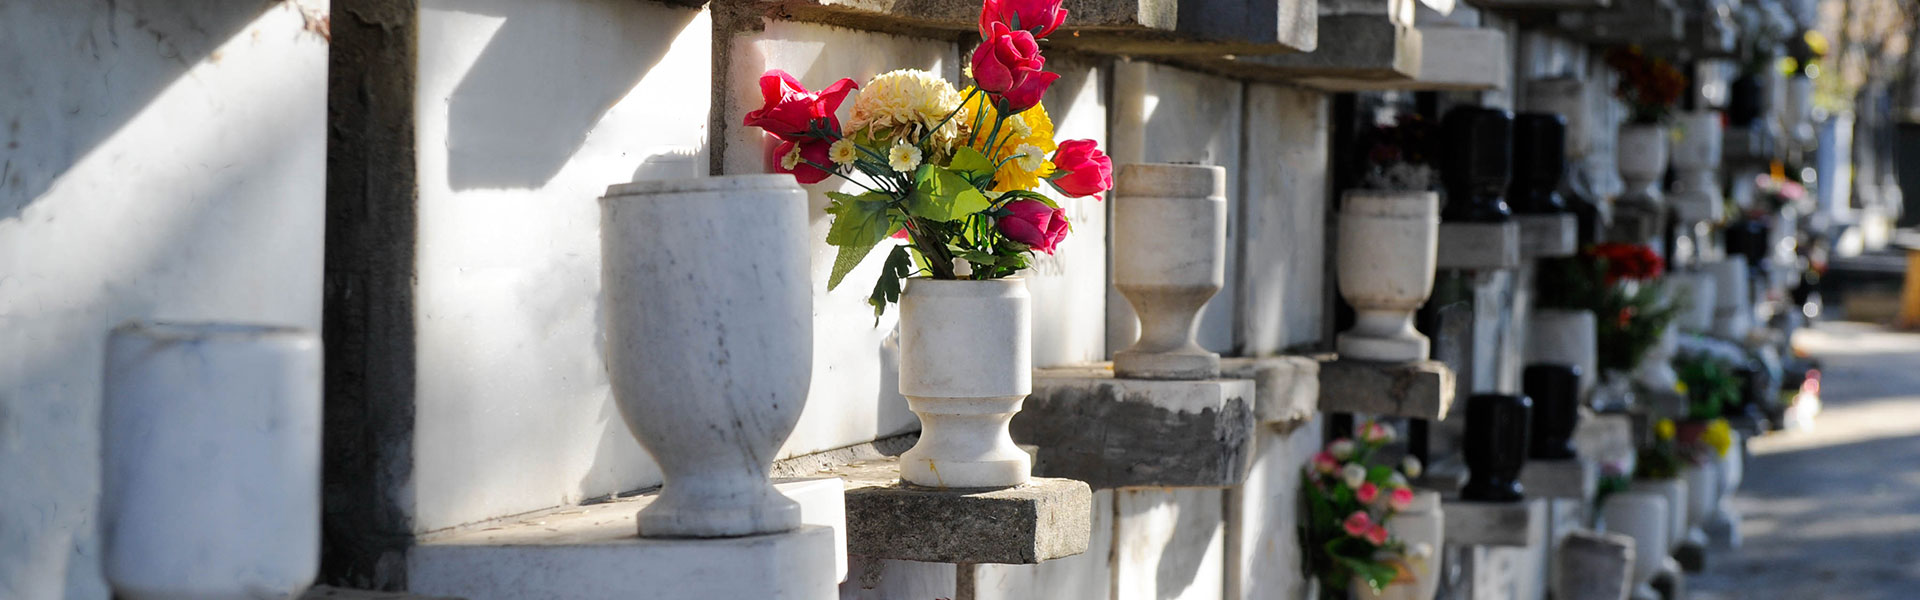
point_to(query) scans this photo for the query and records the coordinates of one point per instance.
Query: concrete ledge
(1651, 22)
(1114, 433)
(1548, 236)
(1515, 524)
(1696, 207)
(1451, 59)
(1356, 52)
(1539, 5)
(593, 558)
(322, 592)
(1106, 26)
(1286, 389)
(1420, 390)
(1572, 479)
(1045, 519)
(1479, 246)
(1663, 404)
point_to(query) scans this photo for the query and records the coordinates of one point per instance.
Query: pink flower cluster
(1341, 472)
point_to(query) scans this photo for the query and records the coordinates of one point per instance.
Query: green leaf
(972, 163)
(1012, 195)
(943, 195)
(858, 220)
(845, 260)
(886, 290)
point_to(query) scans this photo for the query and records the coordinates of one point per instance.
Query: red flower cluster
(1008, 65)
(1627, 261)
(1651, 85)
(800, 118)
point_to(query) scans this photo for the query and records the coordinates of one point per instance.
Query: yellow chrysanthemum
(1719, 435)
(1663, 429)
(1022, 136)
(904, 105)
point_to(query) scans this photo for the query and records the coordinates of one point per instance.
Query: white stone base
(592, 553)
(1573, 479)
(1517, 524)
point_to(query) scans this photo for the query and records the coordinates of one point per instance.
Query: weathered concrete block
(566, 553)
(1573, 479)
(1356, 51)
(1512, 6)
(1113, 432)
(1627, 21)
(1664, 404)
(1449, 58)
(1495, 523)
(1593, 566)
(1045, 519)
(1546, 236)
(1478, 246)
(1112, 26)
(1420, 390)
(1286, 389)
(322, 592)
(1084, 576)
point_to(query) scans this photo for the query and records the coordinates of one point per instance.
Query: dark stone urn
(1539, 160)
(1496, 447)
(1555, 391)
(1476, 164)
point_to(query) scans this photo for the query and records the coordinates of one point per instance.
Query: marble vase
(1555, 392)
(1539, 161)
(1420, 524)
(210, 438)
(1496, 447)
(1386, 254)
(1724, 522)
(1703, 494)
(1641, 156)
(1696, 163)
(1640, 515)
(710, 353)
(1478, 164)
(1732, 299)
(1675, 492)
(966, 365)
(1170, 259)
(1695, 289)
(1655, 371)
(1566, 337)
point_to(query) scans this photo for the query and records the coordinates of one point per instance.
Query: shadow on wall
(496, 140)
(50, 117)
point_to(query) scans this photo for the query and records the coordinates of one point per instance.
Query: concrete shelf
(1286, 389)
(1420, 389)
(1045, 519)
(1170, 27)
(1571, 479)
(1516, 524)
(1356, 52)
(1479, 246)
(1115, 433)
(593, 551)
(321, 592)
(1548, 236)
(1647, 22)
(1532, 6)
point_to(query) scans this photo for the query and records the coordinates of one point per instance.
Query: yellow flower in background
(1681, 387)
(1719, 434)
(904, 105)
(1663, 429)
(1023, 135)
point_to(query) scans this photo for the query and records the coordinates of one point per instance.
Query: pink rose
(1008, 65)
(1325, 463)
(1357, 523)
(812, 152)
(790, 112)
(1377, 535)
(1038, 17)
(1027, 93)
(1400, 498)
(1035, 224)
(1086, 170)
(1367, 492)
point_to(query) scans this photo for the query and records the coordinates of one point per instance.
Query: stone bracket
(1286, 389)
(1572, 479)
(1517, 524)
(1419, 390)
(1516, 6)
(1548, 236)
(1479, 246)
(1142, 27)
(322, 592)
(1650, 22)
(1356, 51)
(1113, 433)
(1044, 519)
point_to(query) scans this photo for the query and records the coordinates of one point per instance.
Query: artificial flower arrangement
(1711, 387)
(1621, 284)
(1650, 86)
(1349, 501)
(1397, 155)
(953, 172)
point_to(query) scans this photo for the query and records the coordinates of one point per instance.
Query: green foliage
(1659, 460)
(1712, 385)
(941, 194)
(1629, 323)
(1569, 282)
(886, 290)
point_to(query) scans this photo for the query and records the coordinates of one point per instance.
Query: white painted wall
(526, 113)
(162, 159)
(1283, 219)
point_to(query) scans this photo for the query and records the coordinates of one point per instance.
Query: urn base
(1410, 347)
(682, 511)
(1190, 363)
(964, 443)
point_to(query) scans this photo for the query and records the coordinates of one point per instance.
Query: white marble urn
(710, 350)
(1696, 163)
(1655, 371)
(1696, 292)
(1419, 526)
(966, 365)
(1566, 337)
(1732, 299)
(1169, 258)
(1641, 157)
(1725, 519)
(1641, 515)
(1703, 495)
(1675, 492)
(1385, 261)
(210, 438)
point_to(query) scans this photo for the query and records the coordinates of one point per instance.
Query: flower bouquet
(954, 172)
(1621, 284)
(1396, 156)
(1650, 86)
(1348, 502)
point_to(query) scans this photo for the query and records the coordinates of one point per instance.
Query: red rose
(790, 111)
(1008, 65)
(1039, 17)
(1026, 93)
(801, 166)
(1086, 170)
(1035, 224)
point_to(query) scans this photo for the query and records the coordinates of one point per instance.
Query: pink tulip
(1035, 224)
(1038, 17)
(1377, 535)
(1357, 523)
(1086, 171)
(1400, 499)
(1367, 492)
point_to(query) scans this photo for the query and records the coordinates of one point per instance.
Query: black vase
(1555, 392)
(1476, 164)
(1539, 160)
(1747, 100)
(1747, 238)
(1496, 447)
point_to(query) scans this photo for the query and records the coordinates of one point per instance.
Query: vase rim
(716, 183)
(1165, 180)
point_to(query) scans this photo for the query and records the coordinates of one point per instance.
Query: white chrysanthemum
(1032, 157)
(903, 157)
(1019, 124)
(905, 101)
(1353, 475)
(791, 159)
(1341, 448)
(842, 152)
(1411, 466)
